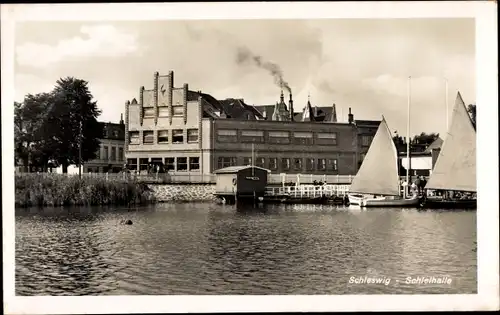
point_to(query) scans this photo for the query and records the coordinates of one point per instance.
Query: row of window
(164, 137)
(179, 164)
(163, 111)
(286, 163)
(106, 156)
(277, 137)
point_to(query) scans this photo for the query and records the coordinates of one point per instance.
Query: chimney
(291, 107)
(121, 119)
(334, 114)
(282, 98)
(350, 117)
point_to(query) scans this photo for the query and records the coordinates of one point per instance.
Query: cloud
(97, 41)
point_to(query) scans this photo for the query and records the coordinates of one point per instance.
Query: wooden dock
(307, 194)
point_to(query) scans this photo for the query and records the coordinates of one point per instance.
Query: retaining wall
(183, 193)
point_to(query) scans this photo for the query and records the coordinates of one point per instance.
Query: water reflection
(223, 249)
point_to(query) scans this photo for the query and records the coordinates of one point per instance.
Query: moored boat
(376, 183)
(455, 168)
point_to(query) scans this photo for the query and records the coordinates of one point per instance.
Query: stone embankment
(183, 193)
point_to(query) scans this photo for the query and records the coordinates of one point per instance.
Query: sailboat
(455, 168)
(377, 182)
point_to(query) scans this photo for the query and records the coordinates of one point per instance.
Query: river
(216, 249)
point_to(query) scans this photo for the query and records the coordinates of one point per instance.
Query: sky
(362, 64)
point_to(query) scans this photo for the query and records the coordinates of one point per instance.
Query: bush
(64, 190)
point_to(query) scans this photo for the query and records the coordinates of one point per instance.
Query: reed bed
(62, 190)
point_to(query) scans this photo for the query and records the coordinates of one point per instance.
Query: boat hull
(449, 204)
(372, 202)
(383, 202)
(356, 200)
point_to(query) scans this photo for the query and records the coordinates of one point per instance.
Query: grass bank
(62, 190)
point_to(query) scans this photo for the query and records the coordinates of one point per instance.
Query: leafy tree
(49, 127)
(30, 119)
(73, 119)
(471, 109)
(424, 138)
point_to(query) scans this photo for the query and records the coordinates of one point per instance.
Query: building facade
(193, 133)
(111, 153)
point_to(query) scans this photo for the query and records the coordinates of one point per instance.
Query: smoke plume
(245, 55)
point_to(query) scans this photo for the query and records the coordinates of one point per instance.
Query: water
(214, 249)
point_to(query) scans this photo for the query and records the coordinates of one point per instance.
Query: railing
(308, 179)
(308, 191)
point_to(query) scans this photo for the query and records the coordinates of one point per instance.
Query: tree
(73, 121)
(52, 126)
(471, 109)
(30, 118)
(425, 139)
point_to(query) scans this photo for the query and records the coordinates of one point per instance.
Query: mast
(253, 161)
(446, 101)
(408, 168)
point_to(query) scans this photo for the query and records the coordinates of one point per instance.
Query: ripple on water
(211, 249)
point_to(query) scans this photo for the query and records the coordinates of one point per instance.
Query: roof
(236, 169)
(434, 145)
(367, 123)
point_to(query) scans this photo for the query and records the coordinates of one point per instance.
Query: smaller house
(423, 162)
(241, 182)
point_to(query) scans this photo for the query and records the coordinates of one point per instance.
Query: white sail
(378, 173)
(455, 168)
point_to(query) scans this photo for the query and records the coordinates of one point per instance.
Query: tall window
(170, 164)
(324, 138)
(333, 165)
(148, 112)
(162, 136)
(297, 164)
(285, 164)
(98, 153)
(177, 136)
(227, 135)
(163, 111)
(309, 164)
(279, 137)
(132, 164)
(120, 154)
(143, 164)
(321, 165)
(106, 153)
(252, 136)
(113, 154)
(247, 161)
(182, 164)
(304, 138)
(260, 162)
(178, 110)
(148, 137)
(194, 163)
(133, 137)
(273, 163)
(226, 162)
(192, 135)
(366, 140)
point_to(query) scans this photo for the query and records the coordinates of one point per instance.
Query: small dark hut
(237, 183)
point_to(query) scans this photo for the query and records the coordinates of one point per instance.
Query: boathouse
(241, 182)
